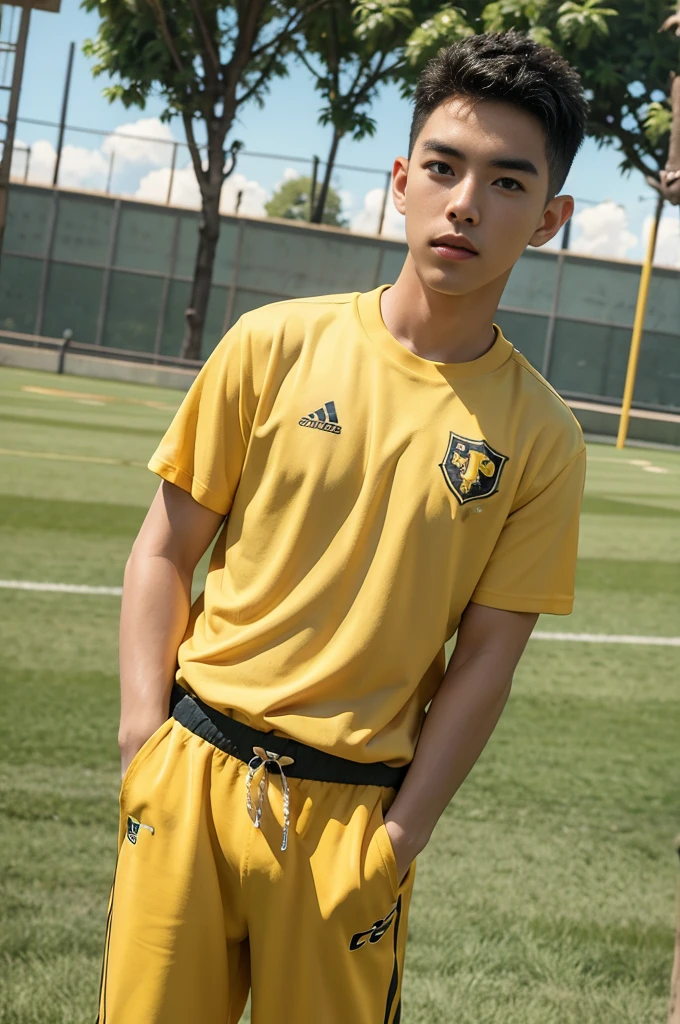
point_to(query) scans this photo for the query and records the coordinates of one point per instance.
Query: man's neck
(444, 328)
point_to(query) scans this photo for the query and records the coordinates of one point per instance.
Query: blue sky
(288, 125)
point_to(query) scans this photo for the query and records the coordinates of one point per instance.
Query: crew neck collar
(368, 305)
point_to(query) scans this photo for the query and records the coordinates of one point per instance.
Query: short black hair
(511, 67)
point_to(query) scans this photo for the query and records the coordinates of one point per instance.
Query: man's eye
(509, 184)
(437, 164)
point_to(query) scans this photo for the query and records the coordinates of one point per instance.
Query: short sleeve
(204, 447)
(533, 565)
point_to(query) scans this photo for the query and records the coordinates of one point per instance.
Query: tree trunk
(669, 184)
(674, 145)
(320, 205)
(208, 235)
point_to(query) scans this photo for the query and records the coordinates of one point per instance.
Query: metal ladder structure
(15, 16)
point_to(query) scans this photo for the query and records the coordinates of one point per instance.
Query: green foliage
(377, 19)
(623, 60)
(447, 23)
(129, 46)
(578, 23)
(658, 121)
(345, 45)
(291, 201)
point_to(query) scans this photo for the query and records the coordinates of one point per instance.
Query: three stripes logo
(325, 418)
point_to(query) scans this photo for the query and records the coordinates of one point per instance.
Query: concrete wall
(118, 273)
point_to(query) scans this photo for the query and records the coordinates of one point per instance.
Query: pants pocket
(384, 844)
(147, 746)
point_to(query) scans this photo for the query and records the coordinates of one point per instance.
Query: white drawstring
(265, 759)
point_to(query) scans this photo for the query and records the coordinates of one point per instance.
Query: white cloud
(89, 169)
(368, 218)
(185, 191)
(154, 187)
(667, 252)
(603, 231)
(79, 167)
(19, 159)
(252, 201)
(140, 150)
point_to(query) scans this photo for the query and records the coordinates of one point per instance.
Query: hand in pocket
(404, 853)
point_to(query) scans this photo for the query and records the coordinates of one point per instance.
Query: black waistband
(238, 739)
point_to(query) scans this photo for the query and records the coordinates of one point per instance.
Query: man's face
(478, 176)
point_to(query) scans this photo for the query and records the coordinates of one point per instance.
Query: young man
(391, 470)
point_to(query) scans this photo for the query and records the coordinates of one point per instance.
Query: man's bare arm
(155, 609)
(461, 718)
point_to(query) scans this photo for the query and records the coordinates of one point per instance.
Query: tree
(623, 61)
(206, 59)
(292, 201)
(664, 119)
(350, 52)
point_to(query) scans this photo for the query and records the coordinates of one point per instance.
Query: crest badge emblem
(471, 469)
(133, 827)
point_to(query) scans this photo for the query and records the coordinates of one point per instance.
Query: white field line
(60, 588)
(587, 638)
(611, 638)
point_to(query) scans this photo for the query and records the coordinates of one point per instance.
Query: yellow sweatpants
(204, 906)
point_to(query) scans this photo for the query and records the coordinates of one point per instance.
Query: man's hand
(461, 718)
(405, 852)
(131, 741)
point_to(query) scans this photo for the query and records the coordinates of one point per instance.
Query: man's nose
(463, 203)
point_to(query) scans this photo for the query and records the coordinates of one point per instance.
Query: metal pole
(64, 106)
(637, 328)
(10, 36)
(28, 162)
(110, 174)
(231, 294)
(160, 326)
(388, 182)
(106, 279)
(68, 338)
(47, 264)
(12, 110)
(172, 172)
(312, 191)
(552, 318)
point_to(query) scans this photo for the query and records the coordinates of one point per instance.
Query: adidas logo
(325, 418)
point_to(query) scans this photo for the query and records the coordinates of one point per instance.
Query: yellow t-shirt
(371, 494)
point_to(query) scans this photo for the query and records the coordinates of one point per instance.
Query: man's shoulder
(547, 409)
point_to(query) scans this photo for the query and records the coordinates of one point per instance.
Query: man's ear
(556, 214)
(399, 175)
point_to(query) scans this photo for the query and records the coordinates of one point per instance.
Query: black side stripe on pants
(105, 959)
(394, 983)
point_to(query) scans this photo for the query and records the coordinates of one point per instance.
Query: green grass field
(546, 894)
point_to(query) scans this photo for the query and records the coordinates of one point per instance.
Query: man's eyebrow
(509, 164)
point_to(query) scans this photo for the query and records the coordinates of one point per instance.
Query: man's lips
(450, 252)
(454, 247)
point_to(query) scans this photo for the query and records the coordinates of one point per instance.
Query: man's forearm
(154, 615)
(457, 727)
